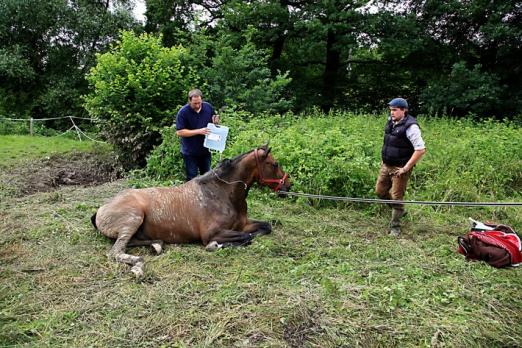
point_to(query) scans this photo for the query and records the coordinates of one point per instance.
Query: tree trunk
(330, 72)
(278, 44)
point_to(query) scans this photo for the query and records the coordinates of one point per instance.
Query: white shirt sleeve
(414, 136)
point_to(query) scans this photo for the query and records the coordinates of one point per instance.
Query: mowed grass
(328, 277)
(14, 148)
(325, 278)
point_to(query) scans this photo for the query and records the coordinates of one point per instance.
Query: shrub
(165, 161)
(137, 89)
(339, 154)
(464, 91)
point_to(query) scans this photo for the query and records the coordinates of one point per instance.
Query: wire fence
(74, 127)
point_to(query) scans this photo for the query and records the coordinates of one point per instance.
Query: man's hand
(401, 171)
(204, 131)
(215, 119)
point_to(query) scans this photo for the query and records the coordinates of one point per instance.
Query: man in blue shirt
(191, 126)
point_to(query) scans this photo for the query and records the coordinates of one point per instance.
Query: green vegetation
(138, 87)
(47, 47)
(446, 58)
(325, 277)
(338, 154)
(15, 148)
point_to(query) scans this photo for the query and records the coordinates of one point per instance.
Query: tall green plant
(339, 154)
(240, 77)
(137, 89)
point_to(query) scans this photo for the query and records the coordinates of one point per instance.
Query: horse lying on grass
(210, 209)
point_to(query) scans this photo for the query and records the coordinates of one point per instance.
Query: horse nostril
(284, 188)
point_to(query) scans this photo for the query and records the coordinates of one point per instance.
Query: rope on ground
(391, 201)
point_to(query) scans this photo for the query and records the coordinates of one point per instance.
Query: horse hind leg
(257, 228)
(117, 251)
(156, 245)
(228, 238)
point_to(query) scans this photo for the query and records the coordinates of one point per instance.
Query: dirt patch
(48, 174)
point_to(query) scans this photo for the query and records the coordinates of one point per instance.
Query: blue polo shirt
(187, 118)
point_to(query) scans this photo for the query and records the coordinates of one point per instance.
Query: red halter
(267, 182)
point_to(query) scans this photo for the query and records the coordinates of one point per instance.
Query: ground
(327, 277)
(52, 172)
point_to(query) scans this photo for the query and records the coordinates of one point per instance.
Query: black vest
(397, 148)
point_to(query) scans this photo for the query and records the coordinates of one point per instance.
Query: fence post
(31, 126)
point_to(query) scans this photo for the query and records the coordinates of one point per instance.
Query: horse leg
(117, 251)
(156, 245)
(228, 238)
(257, 228)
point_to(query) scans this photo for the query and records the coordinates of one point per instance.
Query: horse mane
(224, 167)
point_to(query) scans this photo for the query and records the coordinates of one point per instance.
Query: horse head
(269, 172)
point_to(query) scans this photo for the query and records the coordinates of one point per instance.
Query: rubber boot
(395, 223)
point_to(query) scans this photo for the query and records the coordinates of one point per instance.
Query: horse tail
(93, 220)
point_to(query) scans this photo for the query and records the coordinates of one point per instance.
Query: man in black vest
(403, 147)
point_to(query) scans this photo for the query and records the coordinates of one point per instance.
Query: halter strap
(268, 182)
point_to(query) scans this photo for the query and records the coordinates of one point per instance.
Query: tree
(240, 78)
(137, 89)
(475, 40)
(46, 47)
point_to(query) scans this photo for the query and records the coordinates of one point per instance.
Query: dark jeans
(193, 163)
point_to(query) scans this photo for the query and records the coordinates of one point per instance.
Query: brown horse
(210, 209)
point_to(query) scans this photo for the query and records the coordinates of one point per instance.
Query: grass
(14, 148)
(326, 277)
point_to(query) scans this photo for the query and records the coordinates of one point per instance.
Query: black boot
(395, 223)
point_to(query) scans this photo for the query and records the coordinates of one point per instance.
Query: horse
(210, 209)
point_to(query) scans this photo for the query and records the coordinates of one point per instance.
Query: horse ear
(266, 149)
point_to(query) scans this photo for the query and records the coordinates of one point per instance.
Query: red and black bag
(498, 245)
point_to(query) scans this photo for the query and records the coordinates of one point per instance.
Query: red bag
(498, 245)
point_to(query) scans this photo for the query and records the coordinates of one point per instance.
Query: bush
(464, 91)
(137, 89)
(339, 154)
(165, 161)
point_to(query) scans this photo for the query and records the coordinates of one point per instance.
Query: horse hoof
(213, 246)
(137, 269)
(395, 231)
(157, 248)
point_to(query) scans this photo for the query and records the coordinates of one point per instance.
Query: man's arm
(417, 154)
(181, 127)
(414, 135)
(186, 133)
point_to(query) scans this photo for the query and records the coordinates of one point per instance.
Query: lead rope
(391, 201)
(230, 182)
